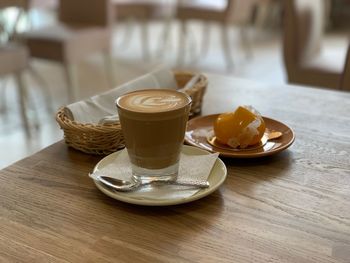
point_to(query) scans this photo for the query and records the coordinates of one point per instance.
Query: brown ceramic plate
(200, 128)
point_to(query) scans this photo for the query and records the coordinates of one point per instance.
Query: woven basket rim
(66, 122)
(203, 80)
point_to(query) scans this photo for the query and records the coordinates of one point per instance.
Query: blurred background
(54, 52)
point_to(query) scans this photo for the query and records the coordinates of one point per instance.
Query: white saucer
(216, 178)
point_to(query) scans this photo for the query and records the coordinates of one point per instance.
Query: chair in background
(84, 28)
(24, 9)
(345, 83)
(305, 60)
(13, 61)
(224, 12)
(143, 11)
(268, 13)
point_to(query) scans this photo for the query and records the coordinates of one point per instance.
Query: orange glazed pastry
(241, 128)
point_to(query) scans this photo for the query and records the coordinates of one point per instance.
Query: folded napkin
(101, 109)
(191, 168)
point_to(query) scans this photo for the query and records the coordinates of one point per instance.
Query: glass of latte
(153, 124)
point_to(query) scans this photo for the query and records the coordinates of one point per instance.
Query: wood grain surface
(291, 207)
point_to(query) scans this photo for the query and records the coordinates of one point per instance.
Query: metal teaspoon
(126, 186)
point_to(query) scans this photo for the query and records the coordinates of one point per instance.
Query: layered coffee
(154, 123)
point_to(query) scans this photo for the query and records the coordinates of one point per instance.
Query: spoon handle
(123, 186)
(126, 186)
(199, 184)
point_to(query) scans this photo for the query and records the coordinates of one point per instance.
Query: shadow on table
(212, 204)
(281, 160)
(168, 229)
(244, 175)
(197, 216)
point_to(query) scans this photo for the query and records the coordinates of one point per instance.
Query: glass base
(144, 175)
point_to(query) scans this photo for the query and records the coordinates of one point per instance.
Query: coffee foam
(153, 100)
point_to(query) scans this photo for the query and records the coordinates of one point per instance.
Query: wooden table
(292, 207)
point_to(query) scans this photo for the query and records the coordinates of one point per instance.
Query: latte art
(147, 101)
(154, 100)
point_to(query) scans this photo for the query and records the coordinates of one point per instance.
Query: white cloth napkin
(191, 168)
(101, 109)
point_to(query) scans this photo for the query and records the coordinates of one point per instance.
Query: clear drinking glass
(154, 123)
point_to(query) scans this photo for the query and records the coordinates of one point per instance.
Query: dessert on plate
(241, 128)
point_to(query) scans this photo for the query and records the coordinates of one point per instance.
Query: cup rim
(143, 112)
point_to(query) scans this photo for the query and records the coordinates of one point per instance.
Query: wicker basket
(105, 139)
